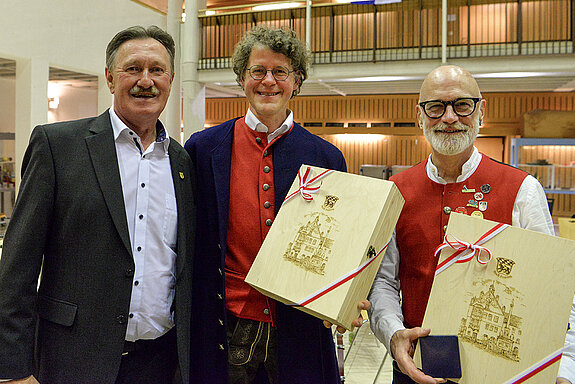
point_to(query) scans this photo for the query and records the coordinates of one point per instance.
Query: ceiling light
(381, 78)
(509, 75)
(270, 7)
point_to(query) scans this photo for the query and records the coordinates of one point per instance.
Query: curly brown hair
(280, 40)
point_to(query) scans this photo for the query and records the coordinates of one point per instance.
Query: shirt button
(447, 210)
(141, 217)
(131, 315)
(136, 283)
(266, 153)
(266, 312)
(267, 169)
(139, 249)
(269, 222)
(265, 187)
(121, 319)
(444, 228)
(143, 185)
(267, 204)
(258, 140)
(221, 346)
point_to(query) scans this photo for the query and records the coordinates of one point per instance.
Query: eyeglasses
(258, 72)
(465, 106)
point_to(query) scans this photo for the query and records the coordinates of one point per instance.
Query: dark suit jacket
(69, 220)
(306, 353)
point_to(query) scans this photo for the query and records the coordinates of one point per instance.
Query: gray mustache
(136, 90)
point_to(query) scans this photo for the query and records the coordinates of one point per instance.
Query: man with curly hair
(244, 169)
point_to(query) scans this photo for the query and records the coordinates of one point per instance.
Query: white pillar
(173, 113)
(194, 93)
(443, 31)
(31, 104)
(308, 24)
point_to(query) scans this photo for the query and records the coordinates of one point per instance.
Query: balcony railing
(410, 30)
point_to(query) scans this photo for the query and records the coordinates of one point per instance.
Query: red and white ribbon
(305, 181)
(345, 278)
(536, 368)
(465, 251)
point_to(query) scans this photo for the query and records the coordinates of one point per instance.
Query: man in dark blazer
(244, 169)
(112, 305)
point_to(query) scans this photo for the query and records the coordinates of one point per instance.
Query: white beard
(451, 143)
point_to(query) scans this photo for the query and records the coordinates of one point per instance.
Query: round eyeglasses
(464, 106)
(258, 72)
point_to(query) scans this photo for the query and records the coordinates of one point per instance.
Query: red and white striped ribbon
(536, 368)
(465, 251)
(305, 181)
(333, 285)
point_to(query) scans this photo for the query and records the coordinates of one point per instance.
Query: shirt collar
(119, 127)
(466, 170)
(254, 123)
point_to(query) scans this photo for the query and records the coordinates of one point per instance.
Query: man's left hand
(364, 304)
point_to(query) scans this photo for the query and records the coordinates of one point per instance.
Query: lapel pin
(478, 196)
(472, 203)
(477, 214)
(486, 188)
(461, 210)
(467, 190)
(182, 175)
(482, 206)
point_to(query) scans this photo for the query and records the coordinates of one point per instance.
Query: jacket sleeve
(22, 257)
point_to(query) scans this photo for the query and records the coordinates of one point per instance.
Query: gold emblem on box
(329, 202)
(312, 245)
(503, 267)
(490, 324)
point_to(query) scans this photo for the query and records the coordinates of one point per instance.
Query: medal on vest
(461, 210)
(477, 214)
(478, 196)
(467, 190)
(472, 204)
(486, 188)
(482, 206)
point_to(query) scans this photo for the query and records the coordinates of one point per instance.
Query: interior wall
(69, 34)
(75, 103)
(8, 113)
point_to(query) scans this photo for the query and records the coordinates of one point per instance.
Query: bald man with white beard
(450, 113)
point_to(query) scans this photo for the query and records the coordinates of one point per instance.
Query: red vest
(251, 212)
(420, 228)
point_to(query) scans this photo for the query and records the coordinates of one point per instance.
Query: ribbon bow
(464, 251)
(305, 181)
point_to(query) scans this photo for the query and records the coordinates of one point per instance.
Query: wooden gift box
(314, 247)
(510, 314)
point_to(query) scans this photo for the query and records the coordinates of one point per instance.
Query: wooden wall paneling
(503, 110)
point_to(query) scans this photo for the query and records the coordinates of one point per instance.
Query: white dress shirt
(254, 123)
(151, 213)
(530, 211)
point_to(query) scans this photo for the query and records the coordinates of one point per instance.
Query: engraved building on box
(489, 325)
(312, 245)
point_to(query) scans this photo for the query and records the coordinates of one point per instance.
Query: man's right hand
(402, 347)
(27, 380)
